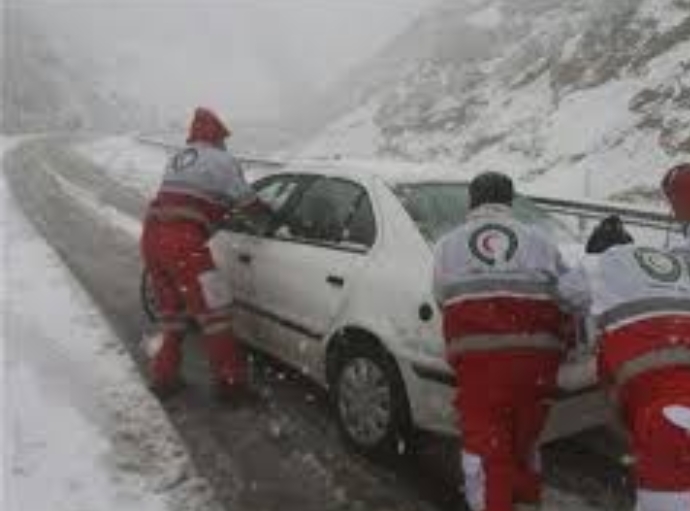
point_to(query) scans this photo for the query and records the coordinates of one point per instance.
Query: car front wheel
(371, 403)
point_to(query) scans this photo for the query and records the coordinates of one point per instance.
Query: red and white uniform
(676, 187)
(495, 278)
(640, 298)
(200, 186)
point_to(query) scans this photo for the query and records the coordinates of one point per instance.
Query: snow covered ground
(80, 431)
(130, 162)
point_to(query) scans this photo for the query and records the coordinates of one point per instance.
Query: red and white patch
(493, 244)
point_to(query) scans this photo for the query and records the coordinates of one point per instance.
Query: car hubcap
(364, 401)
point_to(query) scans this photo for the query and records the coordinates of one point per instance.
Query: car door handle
(245, 258)
(335, 280)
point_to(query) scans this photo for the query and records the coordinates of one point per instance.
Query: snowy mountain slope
(579, 95)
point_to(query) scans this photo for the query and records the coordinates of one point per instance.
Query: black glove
(608, 233)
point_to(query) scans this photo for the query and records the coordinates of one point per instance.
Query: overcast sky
(251, 56)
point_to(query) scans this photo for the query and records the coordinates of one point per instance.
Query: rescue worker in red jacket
(201, 186)
(495, 279)
(676, 187)
(640, 297)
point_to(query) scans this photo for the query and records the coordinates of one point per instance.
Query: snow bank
(130, 162)
(80, 430)
(93, 206)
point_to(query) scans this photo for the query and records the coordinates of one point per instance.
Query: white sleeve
(574, 289)
(236, 188)
(562, 267)
(549, 256)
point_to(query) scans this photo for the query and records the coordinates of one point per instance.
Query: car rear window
(437, 208)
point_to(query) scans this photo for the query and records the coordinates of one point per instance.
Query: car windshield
(437, 208)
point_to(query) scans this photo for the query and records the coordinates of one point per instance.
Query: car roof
(392, 172)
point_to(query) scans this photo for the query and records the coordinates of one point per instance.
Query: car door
(233, 247)
(302, 273)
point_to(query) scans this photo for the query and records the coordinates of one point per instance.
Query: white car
(340, 287)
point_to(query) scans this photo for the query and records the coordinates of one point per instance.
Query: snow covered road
(80, 429)
(281, 455)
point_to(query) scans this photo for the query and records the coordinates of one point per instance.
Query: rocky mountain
(590, 97)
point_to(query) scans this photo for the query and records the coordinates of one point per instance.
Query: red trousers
(186, 286)
(502, 402)
(661, 448)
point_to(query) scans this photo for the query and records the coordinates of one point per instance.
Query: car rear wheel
(371, 403)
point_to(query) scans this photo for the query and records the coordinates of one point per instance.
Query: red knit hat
(676, 186)
(207, 127)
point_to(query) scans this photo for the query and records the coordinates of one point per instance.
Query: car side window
(276, 190)
(361, 230)
(325, 212)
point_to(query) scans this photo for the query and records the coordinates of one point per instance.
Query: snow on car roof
(391, 171)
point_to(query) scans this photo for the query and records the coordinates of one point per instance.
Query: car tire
(370, 402)
(147, 297)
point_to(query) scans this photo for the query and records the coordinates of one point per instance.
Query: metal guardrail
(647, 226)
(582, 211)
(590, 210)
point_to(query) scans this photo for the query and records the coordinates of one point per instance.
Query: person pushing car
(676, 187)
(202, 186)
(640, 299)
(495, 279)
